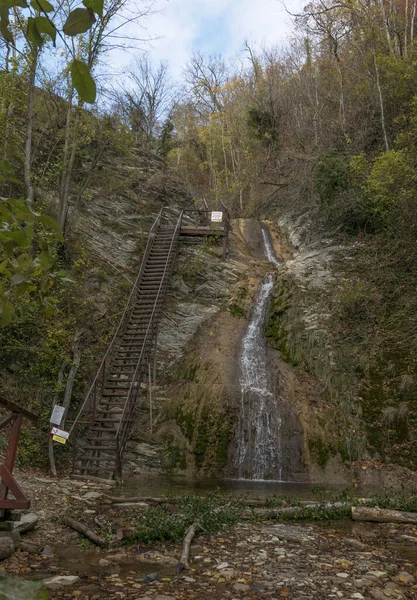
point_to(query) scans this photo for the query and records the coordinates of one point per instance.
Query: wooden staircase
(103, 424)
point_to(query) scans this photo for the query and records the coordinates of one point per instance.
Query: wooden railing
(87, 411)
(131, 400)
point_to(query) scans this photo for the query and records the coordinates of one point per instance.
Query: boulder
(60, 581)
(13, 535)
(26, 523)
(7, 547)
(92, 496)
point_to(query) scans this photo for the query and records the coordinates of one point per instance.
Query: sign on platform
(57, 414)
(60, 432)
(216, 216)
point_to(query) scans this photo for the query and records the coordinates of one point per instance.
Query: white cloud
(212, 26)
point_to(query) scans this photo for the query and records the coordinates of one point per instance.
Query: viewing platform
(206, 223)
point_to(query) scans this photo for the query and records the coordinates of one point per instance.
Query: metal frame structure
(8, 482)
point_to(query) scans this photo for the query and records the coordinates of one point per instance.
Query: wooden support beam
(202, 231)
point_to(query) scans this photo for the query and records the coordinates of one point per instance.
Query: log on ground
(185, 553)
(382, 515)
(86, 532)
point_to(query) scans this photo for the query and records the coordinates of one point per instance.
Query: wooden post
(154, 357)
(119, 466)
(150, 396)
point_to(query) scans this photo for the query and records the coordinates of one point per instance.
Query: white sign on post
(216, 216)
(57, 415)
(59, 435)
(60, 432)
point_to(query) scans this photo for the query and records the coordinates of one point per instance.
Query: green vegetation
(237, 306)
(177, 458)
(275, 330)
(211, 440)
(212, 514)
(218, 511)
(319, 450)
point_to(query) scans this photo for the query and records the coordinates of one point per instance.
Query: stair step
(104, 420)
(91, 478)
(97, 469)
(125, 361)
(101, 439)
(101, 448)
(118, 387)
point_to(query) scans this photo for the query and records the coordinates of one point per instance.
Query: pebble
(241, 587)
(60, 581)
(377, 574)
(151, 577)
(342, 575)
(404, 578)
(92, 496)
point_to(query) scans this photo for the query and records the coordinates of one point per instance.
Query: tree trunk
(381, 104)
(33, 63)
(381, 515)
(69, 159)
(54, 402)
(413, 18)
(76, 359)
(386, 27)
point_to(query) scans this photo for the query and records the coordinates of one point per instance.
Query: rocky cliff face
(200, 345)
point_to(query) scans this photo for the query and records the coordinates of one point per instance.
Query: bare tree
(206, 78)
(149, 100)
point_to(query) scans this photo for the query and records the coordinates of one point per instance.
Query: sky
(179, 27)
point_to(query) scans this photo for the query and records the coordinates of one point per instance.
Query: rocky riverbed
(254, 560)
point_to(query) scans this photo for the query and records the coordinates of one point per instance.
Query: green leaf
(46, 259)
(95, 5)
(79, 21)
(12, 3)
(3, 268)
(49, 222)
(44, 25)
(32, 33)
(24, 261)
(4, 24)
(42, 5)
(83, 81)
(19, 237)
(6, 312)
(23, 213)
(19, 278)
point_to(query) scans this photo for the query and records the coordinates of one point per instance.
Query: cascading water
(269, 250)
(259, 441)
(259, 452)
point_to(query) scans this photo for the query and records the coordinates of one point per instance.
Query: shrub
(332, 176)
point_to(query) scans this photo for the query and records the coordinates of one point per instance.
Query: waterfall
(269, 250)
(259, 452)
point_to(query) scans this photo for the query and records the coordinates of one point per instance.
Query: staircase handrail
(122, 429)
(156, 224)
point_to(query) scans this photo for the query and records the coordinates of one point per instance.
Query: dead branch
(86, 532)
(138, 499)
(185, 553)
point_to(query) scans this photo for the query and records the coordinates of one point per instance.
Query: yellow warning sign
(58, 438)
